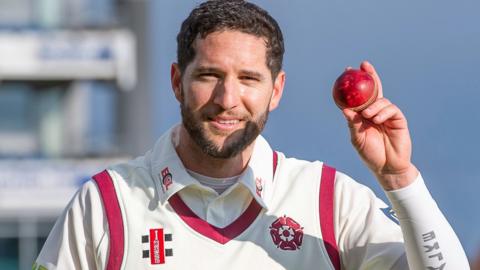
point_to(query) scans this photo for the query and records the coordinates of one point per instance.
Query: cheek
(256, 100)
(197, 95)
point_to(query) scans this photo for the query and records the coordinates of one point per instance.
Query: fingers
(381, 111)
(367, 67)
(378, 112)
(353, 118)
(355, 125)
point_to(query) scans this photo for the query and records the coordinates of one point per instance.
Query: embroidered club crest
(286, 233)
(166, 178)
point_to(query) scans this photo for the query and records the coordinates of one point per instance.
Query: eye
(208, 76)
(249, 78)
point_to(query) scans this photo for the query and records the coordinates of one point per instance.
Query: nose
(227, 94)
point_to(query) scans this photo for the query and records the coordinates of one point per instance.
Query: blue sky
(427, 54)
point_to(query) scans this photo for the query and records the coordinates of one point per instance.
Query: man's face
(226, 92)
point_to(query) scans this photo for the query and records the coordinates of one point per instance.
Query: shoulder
(133, 172)
(130, 168)
(346, 188)
(134, 180)
(87, 195)
(294, 165)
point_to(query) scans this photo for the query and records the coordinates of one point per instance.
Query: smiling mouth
(223, 124)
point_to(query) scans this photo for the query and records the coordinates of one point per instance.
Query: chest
(286, 236)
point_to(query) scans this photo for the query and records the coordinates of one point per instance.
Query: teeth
(228, 122)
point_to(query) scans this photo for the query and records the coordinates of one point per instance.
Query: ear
(176, 81)
(278, 85)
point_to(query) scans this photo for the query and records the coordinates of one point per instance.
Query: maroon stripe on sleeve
(326, 206)
(114, 218)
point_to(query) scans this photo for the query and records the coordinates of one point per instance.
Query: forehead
(231, 47)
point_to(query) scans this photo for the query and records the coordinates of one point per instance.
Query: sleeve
(79, 237)
(367, 232)
(430, 241)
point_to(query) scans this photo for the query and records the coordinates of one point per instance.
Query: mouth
(225, 124)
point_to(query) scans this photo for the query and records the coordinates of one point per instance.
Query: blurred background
(85, 84)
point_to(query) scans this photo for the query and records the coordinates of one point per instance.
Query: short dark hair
(218, 15)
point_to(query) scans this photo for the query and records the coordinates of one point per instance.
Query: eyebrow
(202, 69)
(251, 73)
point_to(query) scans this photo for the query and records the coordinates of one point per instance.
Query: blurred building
(72, 77)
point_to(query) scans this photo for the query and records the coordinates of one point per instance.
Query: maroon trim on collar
(275, 162)
(114, 219)
(220, 235)
(326, 209)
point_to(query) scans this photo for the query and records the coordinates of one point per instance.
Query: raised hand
(380, 135)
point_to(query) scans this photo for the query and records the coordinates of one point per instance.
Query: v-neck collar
(219, 235)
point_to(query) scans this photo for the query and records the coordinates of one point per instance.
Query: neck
(194, 159)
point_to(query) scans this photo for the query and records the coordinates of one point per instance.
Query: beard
(234, 144)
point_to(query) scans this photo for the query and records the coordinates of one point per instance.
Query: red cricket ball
(354, 89)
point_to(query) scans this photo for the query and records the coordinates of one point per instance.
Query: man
(212, 194)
